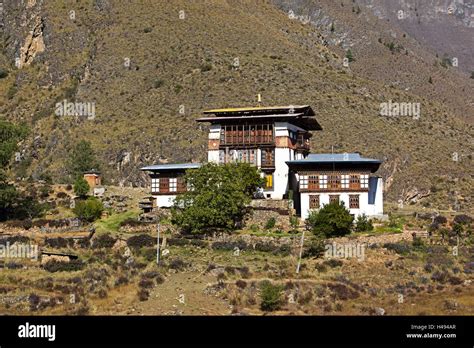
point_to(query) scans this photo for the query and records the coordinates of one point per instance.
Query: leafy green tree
(217, 198)
(332, 220)
(10, 136)
(81, 187)
(82, 159)
(90, 209)
(271, 296)
(13, 204)
(363, 224)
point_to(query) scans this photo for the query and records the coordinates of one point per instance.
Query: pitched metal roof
(255, 110)
(300, 115)
(171, 166)
(335, 158)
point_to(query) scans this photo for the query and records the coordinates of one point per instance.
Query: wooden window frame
(354, 181)
(314, 202)
(354, 201)
(313, 182)
(334, 198)
(164, 185)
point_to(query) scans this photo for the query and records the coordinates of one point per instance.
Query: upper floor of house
(343, 172)
(261, 127)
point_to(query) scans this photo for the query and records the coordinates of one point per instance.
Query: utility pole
(158, 244)
(301, 253)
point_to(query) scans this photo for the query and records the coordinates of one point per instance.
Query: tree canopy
(82, 159)
(217, 196)
(13, 204)
(332, 220)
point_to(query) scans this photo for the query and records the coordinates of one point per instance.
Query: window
(173, 184)
(164, 185)
(334, 181)
(323, 181)
(155, 185)
(268, 181)
(354, 201)
(364, 181)
(354, 181)
(313, 201)
(181, 184)
(334, 199)
(303, 182)
(345, 181)
(313, 182)
(247, 134)
(268, 157)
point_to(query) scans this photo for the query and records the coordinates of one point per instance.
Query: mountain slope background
(151, 67)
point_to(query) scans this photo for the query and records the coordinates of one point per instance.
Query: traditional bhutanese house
(93, 178)
(267, 137)
(167, 180)
(323, 178)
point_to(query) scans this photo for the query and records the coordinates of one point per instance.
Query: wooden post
(301, 253)
(158, 245)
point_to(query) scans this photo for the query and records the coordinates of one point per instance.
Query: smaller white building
(167, 181)
(320, 179)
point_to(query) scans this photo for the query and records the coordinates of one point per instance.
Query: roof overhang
(170, 167)
(334, 162)
(299, 119)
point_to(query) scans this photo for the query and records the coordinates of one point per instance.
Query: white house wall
(164, 201)
(213, 156)
(371, 210)
(280, 176)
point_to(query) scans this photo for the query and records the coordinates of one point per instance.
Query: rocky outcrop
(34, 44)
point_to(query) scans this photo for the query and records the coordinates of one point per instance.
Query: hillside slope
(151, 67)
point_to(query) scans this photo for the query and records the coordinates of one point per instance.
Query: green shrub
(271, 297)
(158, 83)
(89, 210)
(332, 220)
(103, 241)
(315, 248)
(418, 244)
(63, 266)
(349, 55)
(206, 67)
(363, 224)
(81, 187)
(141, 240)
(254, 228)
(294, 223)
(271, 222)
(458, 229)
(463, 219)
(399, 248)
